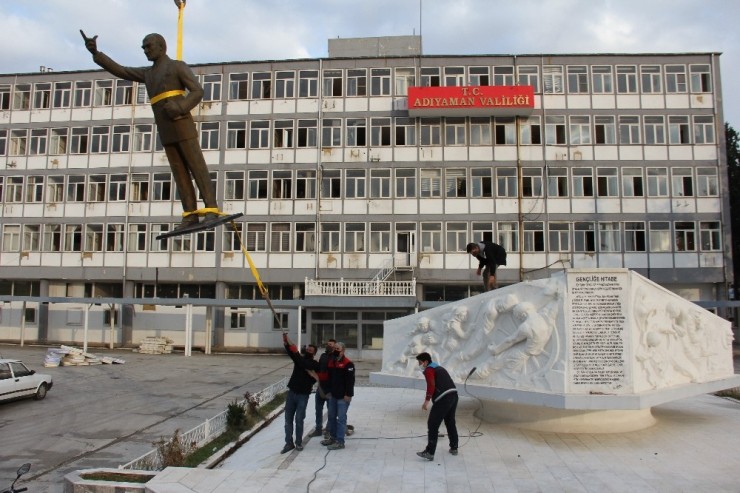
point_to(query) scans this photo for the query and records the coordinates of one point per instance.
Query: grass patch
(118, 477)
(731, 393)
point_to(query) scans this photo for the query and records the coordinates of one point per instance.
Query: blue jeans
(337, 418)
(320, 409)
(295, 409)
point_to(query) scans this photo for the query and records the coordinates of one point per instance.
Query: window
(239, 86)
(456, 183)
(504, 129)
(305, 184)
(678, 130)
(236, 135)
(555, 129)
(283, 134)
(506, 182)
(259, 134)
(682, 182)
(405, 183)
(5, 90)
(96, 188)
(34, 189)
(660, 236)
(257, 181)
(3, 143)
(508, 236)
(55, 190)
(530, 131)
(482, 231)
(602, 79)
(657, 182)
(431, 132)
(305, 237)
(607, 182)
(706, 182)
(380, 237)
(478, 76)
(552, 79)
(100, 140)
(533, 236)
(559, 236)
(11, 238)
(284, 84)
(632, 185)
(354, 183)
(557, 182)
(455, 131)
(39, 139)
(307, 133)
(261, 85)
(480, 131)
(58, 141)
(331, 184)
(42, 95)
(651, 77)
(136, 238)
(701, 79)
(583, 185)
(234, 185)
(709, 232)
(282, 184)
(332, 83)
(380, 132)
(117, 188)
(685, 235)
(431, 183)
(431, 237)
(430, 77)
(331, 132)
(405, 132)
(75, 188)
(308, 83)
(404, 78)
(209, 135)
(675, 79)
(121, 138)
(580, 130)
(124, 92)
(380, 82)
(72, 238)
(629, 130)
(356, 132)
(529, 75)
(18, 142)
(609, 235)
(482, 182)
(457, 236)
(503, 76)
(14, 190)
(183, 243)
(703, 130)
(354, 237)
(103, 95)
(257, 237)
(279, 237)
(578, 79)
(357, 82)
(605, 130)
(380, 183)
(31, 238)
(158, 245)
(531, 182)
(114, 237)
(634, 236)
(141, 95)
(654, 130)
(162, 186)
(52, 238)
(626, 79)
(584, 237)
(22, 97)
(330, 238)
(454, 76)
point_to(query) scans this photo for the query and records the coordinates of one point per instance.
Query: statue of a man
(173, 91)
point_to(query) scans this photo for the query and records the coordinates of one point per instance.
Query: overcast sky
(46, 32)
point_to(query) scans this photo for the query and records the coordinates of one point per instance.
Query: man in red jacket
(442, 393)
(342, 388)
(323, 388)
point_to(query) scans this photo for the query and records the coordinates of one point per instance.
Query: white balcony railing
(341, 287)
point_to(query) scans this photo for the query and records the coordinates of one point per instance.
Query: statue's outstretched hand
(90, 43)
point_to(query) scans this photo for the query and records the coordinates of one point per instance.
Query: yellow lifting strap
(167, 94)
(180, 14)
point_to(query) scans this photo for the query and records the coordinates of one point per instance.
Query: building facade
(344, 179)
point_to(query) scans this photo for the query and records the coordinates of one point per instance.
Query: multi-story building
(375, 163)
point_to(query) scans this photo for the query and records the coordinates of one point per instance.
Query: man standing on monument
(490, 255)
(173, 91)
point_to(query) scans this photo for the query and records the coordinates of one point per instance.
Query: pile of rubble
(156, 345)
(72, 356)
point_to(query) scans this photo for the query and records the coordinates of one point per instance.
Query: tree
(732, 141)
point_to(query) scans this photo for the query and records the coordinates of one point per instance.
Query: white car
(17, 381)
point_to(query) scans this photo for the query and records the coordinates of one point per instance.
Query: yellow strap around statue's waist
(167, 94)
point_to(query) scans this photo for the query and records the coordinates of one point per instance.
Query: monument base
(551, 420)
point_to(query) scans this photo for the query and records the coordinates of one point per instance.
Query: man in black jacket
(442, 393)
(490, 255)
(323, 387)
(299, 389)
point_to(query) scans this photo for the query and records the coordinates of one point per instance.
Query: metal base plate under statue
(201, 226)
(587, 350)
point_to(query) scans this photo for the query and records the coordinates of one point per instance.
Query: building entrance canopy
(471, 101)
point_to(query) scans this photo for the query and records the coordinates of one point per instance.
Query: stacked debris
(156, 345)
(72, 356)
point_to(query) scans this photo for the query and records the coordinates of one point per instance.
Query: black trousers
(442, 410)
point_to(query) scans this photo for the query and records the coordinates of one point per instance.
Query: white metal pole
(84, 337)
(299, 328)
(188, 329)
(209, 328)
(23, 323)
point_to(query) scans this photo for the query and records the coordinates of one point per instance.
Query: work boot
(299, 446)
(328, 441)
(288, 447)
(335, 446)
(187, 222)
(317, 432)
(453, 451)
(326, 434)
(425, 455)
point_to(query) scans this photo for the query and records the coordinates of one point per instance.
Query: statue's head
(154, 46)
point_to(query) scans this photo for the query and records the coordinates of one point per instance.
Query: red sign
(471, 100)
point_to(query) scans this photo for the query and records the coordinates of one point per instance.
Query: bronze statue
(173, 91)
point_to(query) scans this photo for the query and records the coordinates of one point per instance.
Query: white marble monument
(588, 350)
